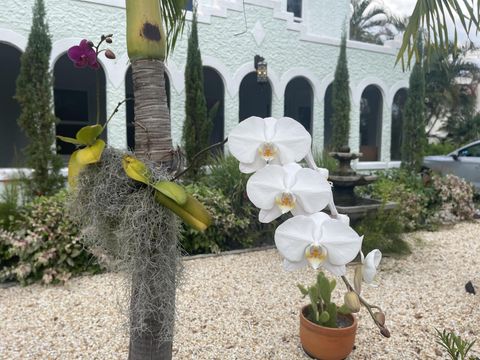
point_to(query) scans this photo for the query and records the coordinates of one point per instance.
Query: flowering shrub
(227, 230)
(424, 201)
(454, 199)
(45, 245)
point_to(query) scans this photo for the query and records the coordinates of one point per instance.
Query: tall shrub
(414, 137)
(341, 100)
(34, 93)
(197, 125)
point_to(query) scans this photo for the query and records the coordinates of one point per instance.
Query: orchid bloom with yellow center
(317, 240)
(277, 190)
(256, 142)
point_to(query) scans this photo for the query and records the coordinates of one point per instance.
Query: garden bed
(245, 306)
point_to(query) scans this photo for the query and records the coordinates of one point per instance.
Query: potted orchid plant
(270, 149)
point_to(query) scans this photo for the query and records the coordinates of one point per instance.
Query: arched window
(12, 139)
(75, 96)
(130, 108)
(214, 96)
(397, 124)
(295, 7)
(255, 98)
(298, 102)
(371, 123)
(327, 118)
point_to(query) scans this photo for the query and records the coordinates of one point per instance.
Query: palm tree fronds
(431, 17)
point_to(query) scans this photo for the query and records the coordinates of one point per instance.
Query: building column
(232, 104)
(386, 132)
(277, 106)
(354, 140)
(117, 127)
(318, 124)
(177, 115)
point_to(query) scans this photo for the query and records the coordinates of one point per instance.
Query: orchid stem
(365, 303)
(116, 110)
(198, 155)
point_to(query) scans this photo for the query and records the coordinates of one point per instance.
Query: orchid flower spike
(370, 264)
(317, 240)
(256, 142)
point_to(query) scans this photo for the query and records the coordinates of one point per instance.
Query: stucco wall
(308, 48)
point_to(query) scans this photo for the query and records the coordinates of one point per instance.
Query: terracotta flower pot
(325, 343)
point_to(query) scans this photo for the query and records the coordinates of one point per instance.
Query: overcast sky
(405, 7)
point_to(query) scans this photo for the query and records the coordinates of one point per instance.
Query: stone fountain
(344, 181)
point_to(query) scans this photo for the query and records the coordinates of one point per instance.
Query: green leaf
(70, 140)
(193, 213)
(88, 134)
(302, 290)
(333, 284)
(324, 317)
(332, 311)
(91, 154)
(325, 292)
(344, 310)
(174, 191)
(74, 168)
(135, 169)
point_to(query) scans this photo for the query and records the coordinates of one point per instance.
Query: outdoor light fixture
(261, 68)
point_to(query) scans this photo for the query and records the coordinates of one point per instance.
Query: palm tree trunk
(152, 141)
(152, 119)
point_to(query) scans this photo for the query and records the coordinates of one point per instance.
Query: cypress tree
(197, 125)
(414, 137)
(341, 100)
(34, 93)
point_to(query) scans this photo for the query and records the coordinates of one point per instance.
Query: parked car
(463, 162)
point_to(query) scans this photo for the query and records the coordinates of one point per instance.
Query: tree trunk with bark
(152, 141)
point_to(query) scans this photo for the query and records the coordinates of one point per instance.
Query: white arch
(14, 39)
(246, 69)
(357, 94)
(292, 73)
(402, 84)
(222, 70)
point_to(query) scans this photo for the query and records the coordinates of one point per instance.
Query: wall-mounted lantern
(261, 68)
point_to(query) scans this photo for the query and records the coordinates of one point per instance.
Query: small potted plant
(327, 331)
(270, 150)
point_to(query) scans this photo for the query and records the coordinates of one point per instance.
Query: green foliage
(456, 347)
(324, 160)
(322, 310)
(10, 198)
(434, 16)
(441, 148)
(372, 23)
(383, 231)
(34, 93)
(424, 200)
(414, 139)
(198, 125)
(449, 100)
(464, 129)
(341, 100)
(44, 245)
(226, 231)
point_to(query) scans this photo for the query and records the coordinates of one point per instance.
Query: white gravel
(246, 307)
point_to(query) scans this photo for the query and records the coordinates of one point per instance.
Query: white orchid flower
(256, 142)
(370, 264)
(277, 190)
(318, 240)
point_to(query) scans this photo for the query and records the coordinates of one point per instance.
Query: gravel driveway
(246, 307)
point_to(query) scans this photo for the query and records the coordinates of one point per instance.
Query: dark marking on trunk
(151, 32)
